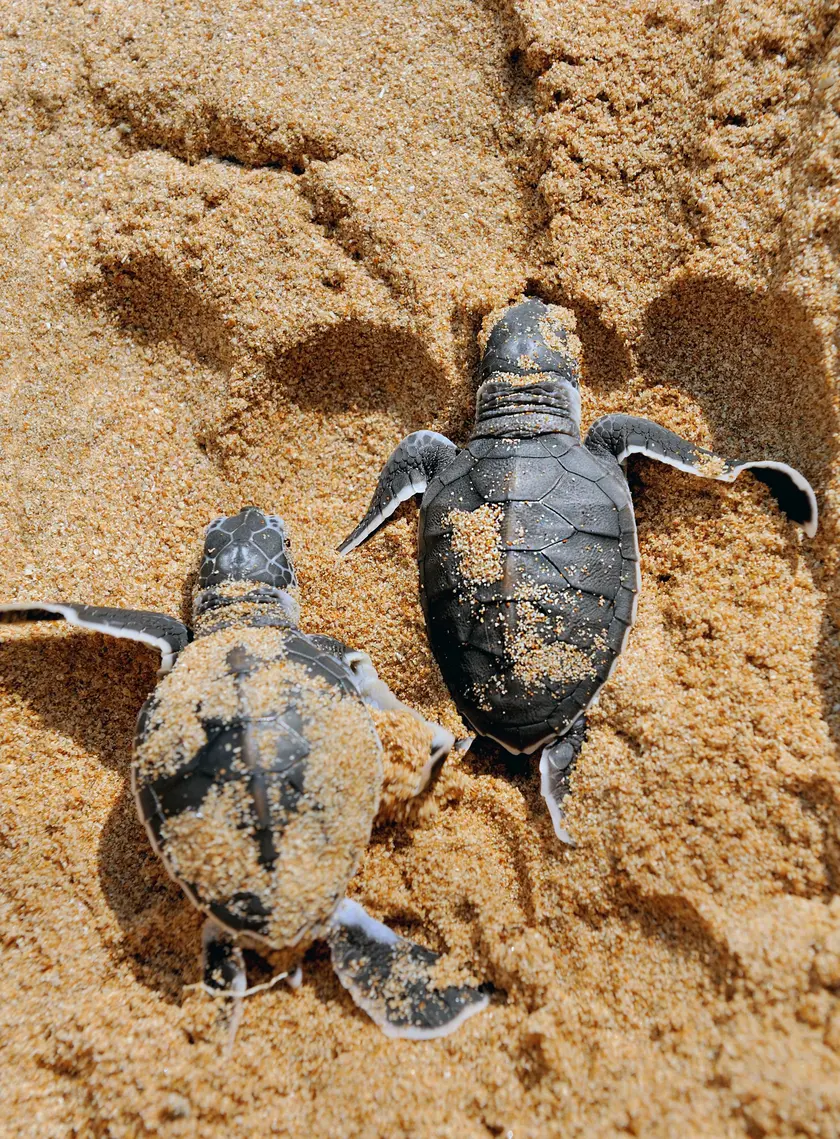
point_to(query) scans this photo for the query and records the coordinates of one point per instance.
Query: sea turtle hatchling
(258, 772)
(528, 555)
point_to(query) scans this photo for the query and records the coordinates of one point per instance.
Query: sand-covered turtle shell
(529, 575)
(258, 773)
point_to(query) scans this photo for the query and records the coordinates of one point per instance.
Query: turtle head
(530, 370)
(246, 561)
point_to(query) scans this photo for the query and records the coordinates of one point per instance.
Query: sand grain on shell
(240, 258)
(477, 542)
(319, 836)
(537, 661)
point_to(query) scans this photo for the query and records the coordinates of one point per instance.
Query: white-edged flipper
(392, 978)
(624, 435)
(556, 763)
(409, 470)
(377, 694)
(163, 633)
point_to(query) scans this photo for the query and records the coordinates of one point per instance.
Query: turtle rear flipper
(163, 633)
(409, 470)
(223, 967)
(556, 765)
(391, 978)
(624, 435)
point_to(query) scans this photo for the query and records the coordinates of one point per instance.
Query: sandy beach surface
(245, 248)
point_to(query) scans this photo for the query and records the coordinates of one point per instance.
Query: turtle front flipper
(376, 694)
(623, 435)
(163, 633)
(392, 979)
(410, 469)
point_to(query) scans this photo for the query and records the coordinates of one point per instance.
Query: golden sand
(243, 250)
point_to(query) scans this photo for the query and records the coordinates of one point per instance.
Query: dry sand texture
(244, 249)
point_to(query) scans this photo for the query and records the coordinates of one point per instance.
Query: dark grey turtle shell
(527, 631)
(258, 772)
